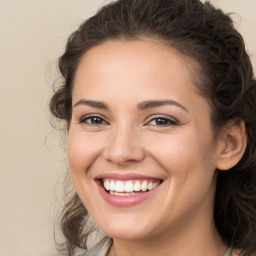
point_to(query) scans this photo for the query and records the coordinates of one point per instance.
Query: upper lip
(125, 176)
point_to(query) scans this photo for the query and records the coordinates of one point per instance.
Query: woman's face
(141, 149)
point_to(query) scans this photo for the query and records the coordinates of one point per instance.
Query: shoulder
(100, 249)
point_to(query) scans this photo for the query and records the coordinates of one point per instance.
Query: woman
(159, 101)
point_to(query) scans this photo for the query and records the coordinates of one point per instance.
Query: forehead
(147, 66)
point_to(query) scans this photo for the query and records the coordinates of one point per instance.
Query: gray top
(102, 248)
(228, 252)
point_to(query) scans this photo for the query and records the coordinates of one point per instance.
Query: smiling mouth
(130, 187)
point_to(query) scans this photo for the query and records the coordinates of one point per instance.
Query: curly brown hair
(208, 36)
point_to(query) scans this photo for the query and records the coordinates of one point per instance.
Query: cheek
(81, 153)
(189, 163)
(184, 154)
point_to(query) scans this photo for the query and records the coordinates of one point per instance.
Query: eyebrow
(141, 106)
(158, 103)
(91, 103)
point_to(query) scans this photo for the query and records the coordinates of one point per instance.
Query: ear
(232, 145)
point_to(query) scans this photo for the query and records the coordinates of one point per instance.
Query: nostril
(123, 148)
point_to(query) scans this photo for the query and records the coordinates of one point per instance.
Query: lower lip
(126, 201)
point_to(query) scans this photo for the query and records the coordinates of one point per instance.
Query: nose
(124, 147)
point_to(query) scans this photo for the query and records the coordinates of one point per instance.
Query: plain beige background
(32, 36)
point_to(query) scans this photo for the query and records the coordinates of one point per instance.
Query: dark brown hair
(208, 36)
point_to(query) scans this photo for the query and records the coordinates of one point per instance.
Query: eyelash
(166, 121)
(86, 118)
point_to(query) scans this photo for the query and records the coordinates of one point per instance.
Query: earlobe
(232, 146)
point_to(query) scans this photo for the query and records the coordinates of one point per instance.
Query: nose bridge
(124, 145)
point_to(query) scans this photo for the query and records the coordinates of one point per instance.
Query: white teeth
(144, 186)
(150, 186)
(155, 184)
(119, 186)
(123, 194)
(112, 185)
(136, 186)
(127, 188)
(106, 185)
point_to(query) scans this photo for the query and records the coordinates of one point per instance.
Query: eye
(162, 121)
(93, 120)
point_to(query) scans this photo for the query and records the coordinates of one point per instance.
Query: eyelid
(83, 118)
(173, 120)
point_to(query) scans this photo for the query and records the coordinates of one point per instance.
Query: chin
(127, 235)
(126, 230)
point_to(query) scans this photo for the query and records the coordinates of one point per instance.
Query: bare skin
(118, 128)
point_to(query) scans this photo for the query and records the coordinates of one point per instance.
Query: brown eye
(93, 120)
(162, 121)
